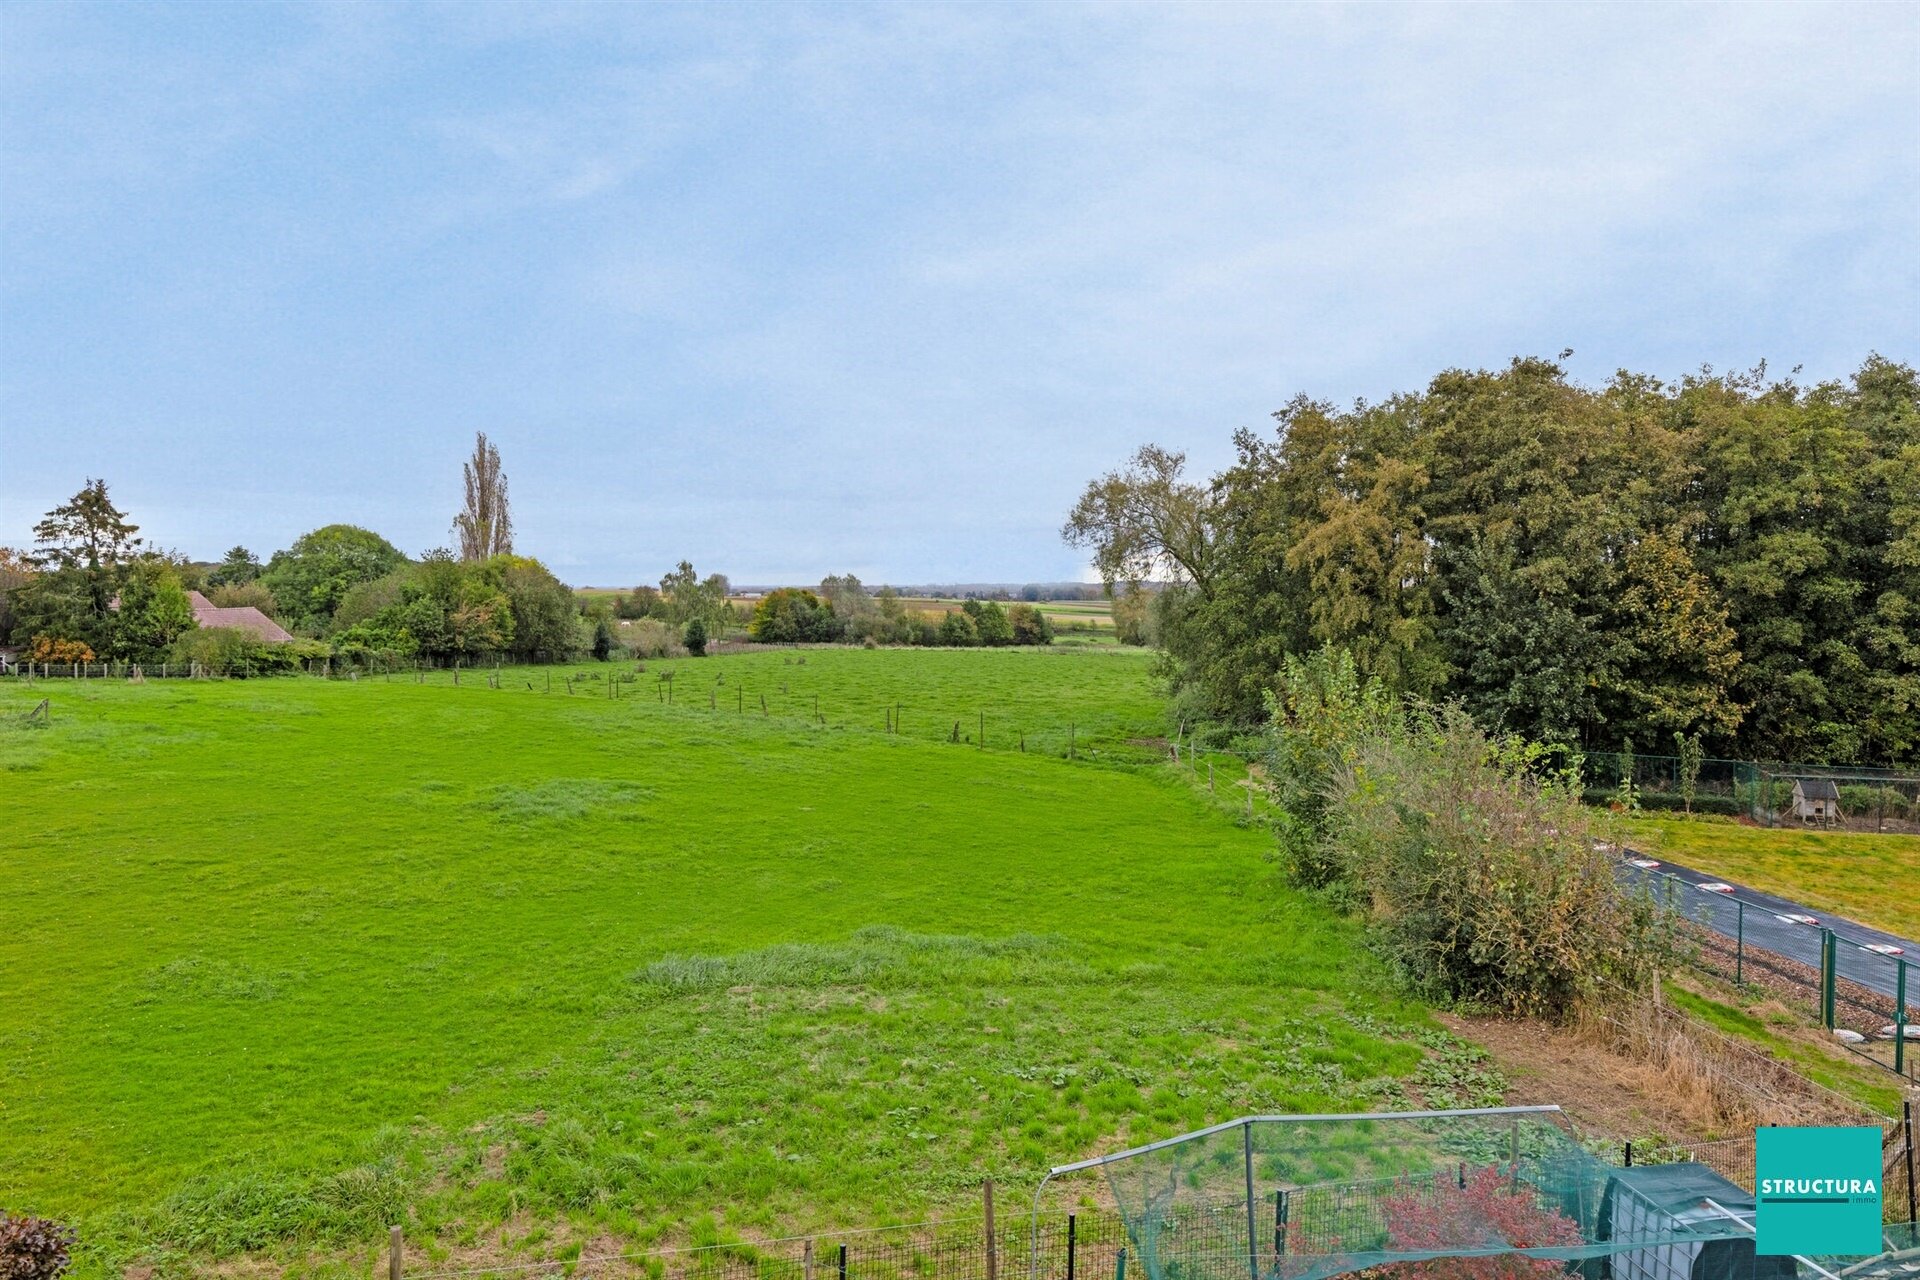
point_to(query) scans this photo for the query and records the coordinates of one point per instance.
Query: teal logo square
(1817, 1190)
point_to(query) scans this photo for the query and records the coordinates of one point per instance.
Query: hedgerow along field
(289, 960)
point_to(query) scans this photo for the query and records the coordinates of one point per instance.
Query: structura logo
(1818, 1190)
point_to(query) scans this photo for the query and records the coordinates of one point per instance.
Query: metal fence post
(1253, 1231)
(1828, 957)
(1739, 942)
(1906, 1122)
(1900, 1019)
(1070, 1243)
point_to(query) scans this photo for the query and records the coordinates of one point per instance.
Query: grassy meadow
(290, 959)
(1855, 874)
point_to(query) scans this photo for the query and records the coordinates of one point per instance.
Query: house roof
(245, 618)
(1817, 789)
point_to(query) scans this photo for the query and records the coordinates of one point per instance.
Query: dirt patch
(1606, 1094)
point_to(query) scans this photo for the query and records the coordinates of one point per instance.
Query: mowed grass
(1874, 879)
(289, 960)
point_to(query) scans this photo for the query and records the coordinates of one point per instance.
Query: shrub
(236, 651)
(1133, 621)
(1480, 872)
(792, 615)
(45, 648)
(957, 629)
(1321, 716)
(651, 638)
(602, 646)
(1030, 626)
(1488, 1208)
(33, 1248)
(695, 637)
(1669, 801)
(1869, 801)
(991, 621)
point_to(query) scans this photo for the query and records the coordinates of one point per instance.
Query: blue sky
(795, 289)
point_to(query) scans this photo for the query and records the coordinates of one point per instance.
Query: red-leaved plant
(33, 1248)
(1485, 1213)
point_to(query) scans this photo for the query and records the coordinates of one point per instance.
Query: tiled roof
(246, 618)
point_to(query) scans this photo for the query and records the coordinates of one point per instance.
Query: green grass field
(288, 960)
(1870, 878)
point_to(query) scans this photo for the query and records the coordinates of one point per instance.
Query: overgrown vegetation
(235, 651)
(1476, 863)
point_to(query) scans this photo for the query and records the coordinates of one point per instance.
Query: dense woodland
(1732, 559)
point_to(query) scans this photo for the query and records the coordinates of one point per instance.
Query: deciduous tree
(484, 525)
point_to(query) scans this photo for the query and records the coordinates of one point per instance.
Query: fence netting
(1297, 1198)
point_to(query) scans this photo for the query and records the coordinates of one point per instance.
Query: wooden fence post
(993, 1253)
(393, 1254)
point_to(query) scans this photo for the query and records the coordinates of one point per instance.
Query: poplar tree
(484, 526)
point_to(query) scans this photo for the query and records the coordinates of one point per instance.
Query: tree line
(92, 589)
(843, 611)
(1729, 562)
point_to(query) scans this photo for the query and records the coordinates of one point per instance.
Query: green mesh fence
(1301, 1197)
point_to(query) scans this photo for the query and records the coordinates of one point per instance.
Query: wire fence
(1233, 779)
(1883, 801)
(1865, 992)
(1828, 797)
(1086, 1244)
(1225, 1236)
(1734, 1160)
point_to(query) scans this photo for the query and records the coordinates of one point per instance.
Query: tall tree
(85, 532)
(485, 526)
(1146, 521)
(1734, 559)
(82, 547)
(238, 566)
(312, 577)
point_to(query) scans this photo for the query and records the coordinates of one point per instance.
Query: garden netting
(1301, 1197)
